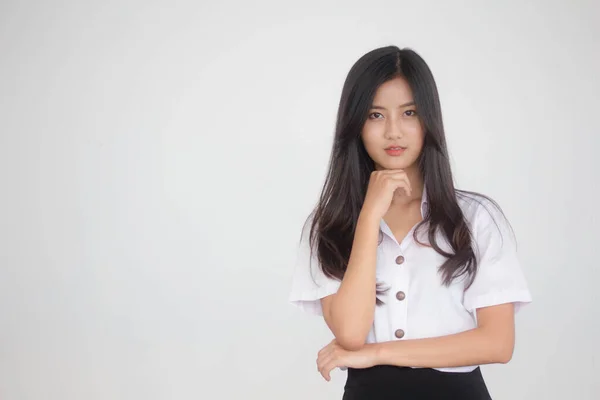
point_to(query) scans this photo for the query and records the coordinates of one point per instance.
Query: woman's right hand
(380, 191)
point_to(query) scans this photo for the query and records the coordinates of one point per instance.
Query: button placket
(399, 317)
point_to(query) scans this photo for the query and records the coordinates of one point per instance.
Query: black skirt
(385, 382)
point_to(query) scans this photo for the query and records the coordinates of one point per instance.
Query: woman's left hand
(333, 355)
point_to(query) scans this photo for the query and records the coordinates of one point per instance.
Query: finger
(325, 349)
(325, 372)
(401, 182)
(394, 175)
(329, 350)
(326, 365)
(386, 173)
(393, 172)
(324, 375)
(406, 189)
(323, 360)
(328, 368)
(400, 179)
(397, 174)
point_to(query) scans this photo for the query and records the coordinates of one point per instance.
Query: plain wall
(158, 159)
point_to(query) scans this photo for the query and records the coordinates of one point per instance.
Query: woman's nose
(393, 130)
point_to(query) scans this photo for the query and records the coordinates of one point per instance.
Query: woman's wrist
(375, 353)
(369, 219)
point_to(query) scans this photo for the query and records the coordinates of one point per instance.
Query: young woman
(418, 281)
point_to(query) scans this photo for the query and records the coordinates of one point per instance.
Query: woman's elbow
(504, 356)
(504, 351)
(352, 336)
(351, 342)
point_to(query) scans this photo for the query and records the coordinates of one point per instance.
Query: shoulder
(479, 208)
(484, 216)
(490, 228)
(306, 230)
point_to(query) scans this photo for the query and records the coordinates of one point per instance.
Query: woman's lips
(395, 151)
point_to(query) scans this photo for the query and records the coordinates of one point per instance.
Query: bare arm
(491, 342)
(349, 313)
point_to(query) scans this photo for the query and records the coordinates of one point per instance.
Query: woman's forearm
(473, 347)
(352, 308)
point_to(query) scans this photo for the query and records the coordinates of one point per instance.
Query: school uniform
(417, 305)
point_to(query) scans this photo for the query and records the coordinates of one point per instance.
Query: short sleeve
(499, 277)
(309, 283)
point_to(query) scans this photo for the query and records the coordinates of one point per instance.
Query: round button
(399, 333)
(400, 295)
(399, 259)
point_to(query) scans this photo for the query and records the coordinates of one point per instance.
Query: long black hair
(335, 216)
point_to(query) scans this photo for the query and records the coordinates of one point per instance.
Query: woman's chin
(394, 164)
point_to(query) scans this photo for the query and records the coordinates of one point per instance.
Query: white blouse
(417, 305)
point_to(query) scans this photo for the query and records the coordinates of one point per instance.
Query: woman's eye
(411, 113)
(374, 114)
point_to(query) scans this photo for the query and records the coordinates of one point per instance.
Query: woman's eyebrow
(376, 107)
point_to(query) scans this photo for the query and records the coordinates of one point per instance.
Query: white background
(158, 159)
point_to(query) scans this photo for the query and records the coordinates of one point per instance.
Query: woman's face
(393, 122)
